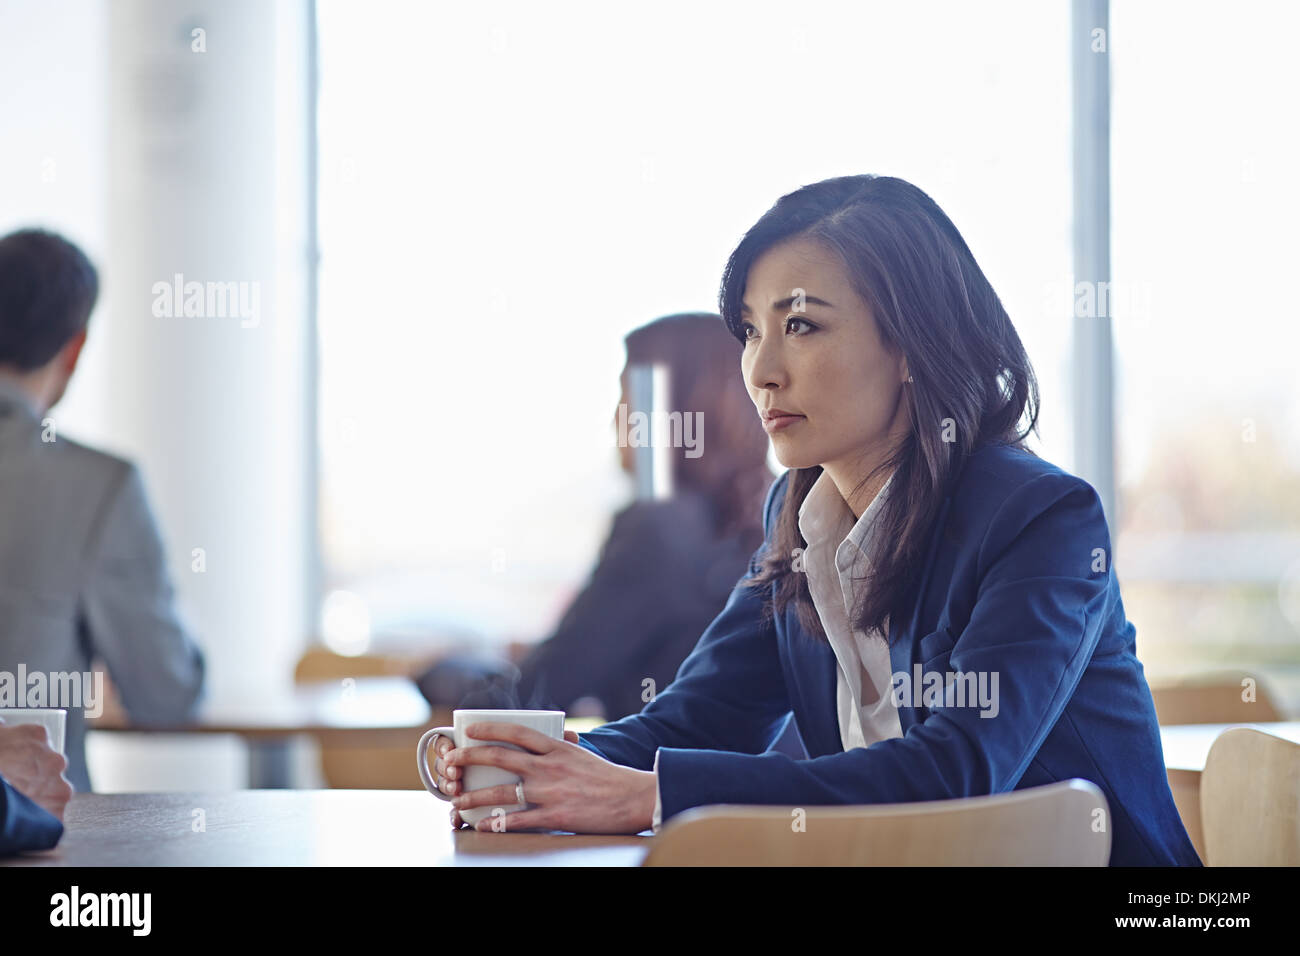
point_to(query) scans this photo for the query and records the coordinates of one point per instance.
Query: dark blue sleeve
(24, 825)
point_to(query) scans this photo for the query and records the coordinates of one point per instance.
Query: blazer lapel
(902, 640)
(820, 670)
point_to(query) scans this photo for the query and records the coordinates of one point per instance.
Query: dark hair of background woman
(703, 366)
(910, 265)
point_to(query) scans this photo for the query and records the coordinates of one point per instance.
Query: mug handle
(422, 758)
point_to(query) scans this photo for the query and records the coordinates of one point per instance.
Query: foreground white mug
(478, 776)
(54, 720)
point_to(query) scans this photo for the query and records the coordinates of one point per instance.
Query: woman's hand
(568, 786)
(447, 785)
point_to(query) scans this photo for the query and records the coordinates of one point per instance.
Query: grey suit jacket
(83, 577)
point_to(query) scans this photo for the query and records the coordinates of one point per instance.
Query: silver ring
(519, 794)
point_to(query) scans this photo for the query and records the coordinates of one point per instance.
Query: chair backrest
(375, 763)
(1250, 800)
(1213, 699)
(1060, 824)
(320, 663)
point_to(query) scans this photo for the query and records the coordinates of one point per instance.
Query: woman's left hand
(569, 787)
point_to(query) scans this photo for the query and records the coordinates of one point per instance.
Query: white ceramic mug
(478, 776)
(53, 719)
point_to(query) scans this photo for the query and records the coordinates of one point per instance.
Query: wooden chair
(320, 663)
(1214, 698)
(374, 765)
(1210, 698)
(1250, 800)
(1061, 824)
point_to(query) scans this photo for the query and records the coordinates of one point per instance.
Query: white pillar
(1093, 352)
(209, 180)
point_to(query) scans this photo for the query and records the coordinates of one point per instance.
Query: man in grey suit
(82, 572)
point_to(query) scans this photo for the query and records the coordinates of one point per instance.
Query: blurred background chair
(1039, 826)
(1214, 698)
(381, 764)
(1250, 800)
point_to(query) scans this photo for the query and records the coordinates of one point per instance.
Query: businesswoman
(912, 537)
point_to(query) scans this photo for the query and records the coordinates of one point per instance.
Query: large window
(508, 189)
(1208, 403)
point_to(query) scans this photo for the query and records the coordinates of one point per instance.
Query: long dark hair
(971, 379)
(703, 364)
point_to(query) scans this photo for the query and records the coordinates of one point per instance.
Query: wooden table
(1187, 745)
(305, 828)
(372, 711)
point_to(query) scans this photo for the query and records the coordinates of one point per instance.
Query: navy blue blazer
(25, 824)
(1017, 581)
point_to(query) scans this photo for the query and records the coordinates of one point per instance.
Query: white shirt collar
(824, 515)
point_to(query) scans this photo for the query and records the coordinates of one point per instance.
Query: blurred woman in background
(668, 564)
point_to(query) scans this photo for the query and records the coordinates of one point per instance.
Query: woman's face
(824, 362)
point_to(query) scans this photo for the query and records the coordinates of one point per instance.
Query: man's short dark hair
(48, 289)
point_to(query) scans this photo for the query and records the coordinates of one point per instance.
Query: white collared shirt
(835, 561)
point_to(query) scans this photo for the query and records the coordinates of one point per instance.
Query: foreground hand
(568, 786)
(32, 767)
